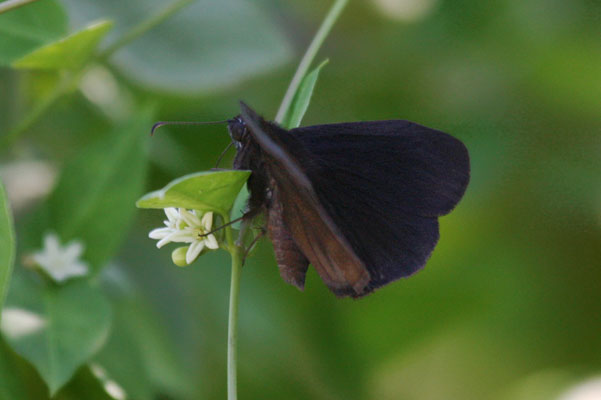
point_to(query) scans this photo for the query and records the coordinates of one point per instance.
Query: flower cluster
(183, 226)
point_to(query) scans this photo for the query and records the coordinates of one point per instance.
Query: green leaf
(207, 45)
(62, 326)
(301, 99)
(93, 199)
(204, 191)
(27, 28)
(141, 355)
(240, 203)
(7, 245)
(69, 52)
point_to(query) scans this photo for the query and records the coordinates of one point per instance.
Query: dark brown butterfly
(360, 201)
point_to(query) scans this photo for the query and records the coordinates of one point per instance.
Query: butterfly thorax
(249, 157)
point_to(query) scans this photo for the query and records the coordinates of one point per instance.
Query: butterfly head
(238, 131)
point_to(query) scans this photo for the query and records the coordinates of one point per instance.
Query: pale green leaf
(62, 327)
(7, 244)
(27, 28)
(207, 45)
(69, 52)
(204, 191)
(301, 99)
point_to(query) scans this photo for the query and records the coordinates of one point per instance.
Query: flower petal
(211, 242)
(73, 250)
(184, 236)
(207, 220)
(165, 240)
(78, 269)
(189, 218)
(51, 243)
(41, 259)
(172, 214)
(194, 251)
(159, 233)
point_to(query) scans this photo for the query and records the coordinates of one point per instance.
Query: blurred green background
(509, 305)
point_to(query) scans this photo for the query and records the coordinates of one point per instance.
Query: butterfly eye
(237, 129)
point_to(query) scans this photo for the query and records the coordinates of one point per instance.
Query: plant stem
(232, 334)
(237, 249)
(307, 59)
(143, 27)
(12, 4)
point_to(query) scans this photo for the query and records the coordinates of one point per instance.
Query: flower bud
(179, 256)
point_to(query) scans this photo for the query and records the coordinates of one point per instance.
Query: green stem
(232, 334)
(12, 4)
(237, 249)
(307, 59)
(144, 27)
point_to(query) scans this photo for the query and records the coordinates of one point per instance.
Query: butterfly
(359, 201)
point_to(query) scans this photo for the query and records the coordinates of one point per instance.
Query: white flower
(183, 226)
(61, 263)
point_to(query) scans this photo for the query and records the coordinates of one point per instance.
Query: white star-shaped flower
(183, 226)
(61, 262)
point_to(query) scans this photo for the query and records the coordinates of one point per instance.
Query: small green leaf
(30, 27)
(205, 191)
(70, 52)
(7, 245)
(301, 99)
(56, 328)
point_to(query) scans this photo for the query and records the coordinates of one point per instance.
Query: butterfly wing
(378, 187)
(384, 184)
(305, 219)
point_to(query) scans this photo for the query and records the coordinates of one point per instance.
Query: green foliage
(506, 307)
(301, 99)
(68, 53)
(27, 28)
(74, 321)
(205, 191)
(207, 46)
(92, 197)
(7, 245)
(140, 355)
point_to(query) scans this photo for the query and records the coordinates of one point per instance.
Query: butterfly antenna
(161, 123)
(223, 153)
